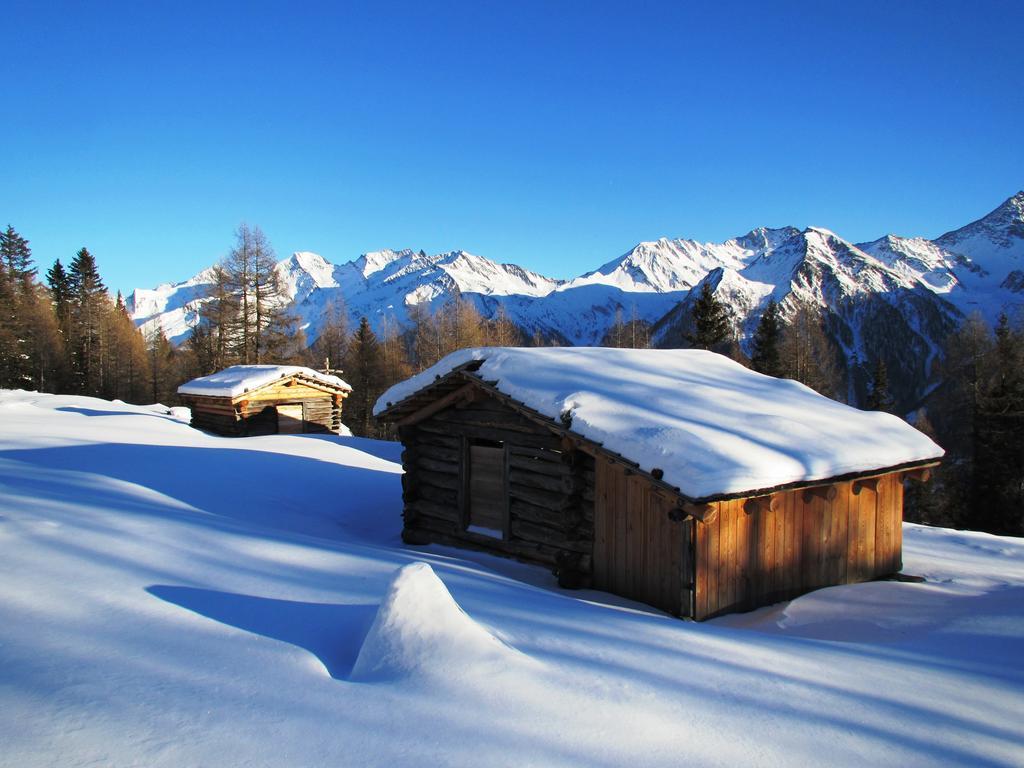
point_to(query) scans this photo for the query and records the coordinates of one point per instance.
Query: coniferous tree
(88, 302)
(364, 371)
(926, 503)
(879, 396)
(60, 289)
(9, 348)
(17, 295)
(17, 258)
(711, 329)
(998, 477)
(767, 339)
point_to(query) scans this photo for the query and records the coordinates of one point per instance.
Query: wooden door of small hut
(289, 419)
(639, 552)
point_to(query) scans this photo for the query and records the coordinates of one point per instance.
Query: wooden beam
(871, 483)
(706, 513)
(826, 492)
(922, 475)
(757, 504)
(437, 405)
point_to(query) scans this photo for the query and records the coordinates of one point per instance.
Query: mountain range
(895, 297)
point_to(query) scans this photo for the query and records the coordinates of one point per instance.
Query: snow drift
(421, 631)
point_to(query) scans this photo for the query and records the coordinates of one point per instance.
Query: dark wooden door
(487, 492)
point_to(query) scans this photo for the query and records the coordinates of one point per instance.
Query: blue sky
(555, 135)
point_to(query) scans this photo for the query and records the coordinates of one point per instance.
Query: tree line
(68, 335)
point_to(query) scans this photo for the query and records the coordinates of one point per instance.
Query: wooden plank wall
(748, 560)
(550, 499)
(639, 552)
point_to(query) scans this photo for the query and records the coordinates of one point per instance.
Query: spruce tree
(879, 396)
(710, 320)
(17, 295)
(60, 289)
(88, 303)
(364, 371)
(766, 357)
(998, 480)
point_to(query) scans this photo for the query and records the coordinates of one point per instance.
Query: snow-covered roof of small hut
(239, 379)
(712, 426)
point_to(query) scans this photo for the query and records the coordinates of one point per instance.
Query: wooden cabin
(247, 400)
(526, 453)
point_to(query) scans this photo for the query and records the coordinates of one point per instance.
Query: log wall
(249, 414)
(598, 522)
(745, 559)
(548, 499)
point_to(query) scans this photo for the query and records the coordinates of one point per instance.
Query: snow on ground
(711, 425)
(170, 598)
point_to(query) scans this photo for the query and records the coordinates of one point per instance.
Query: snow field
(157, 611)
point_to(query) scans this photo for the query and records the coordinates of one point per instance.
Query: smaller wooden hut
(678, 478)
(247, 400)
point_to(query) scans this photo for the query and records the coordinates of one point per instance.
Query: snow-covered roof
(239, 379)
(713, 427)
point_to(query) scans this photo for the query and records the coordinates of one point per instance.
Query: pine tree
(364, 371)
(879, 396)
(711, 326)
(767, 339)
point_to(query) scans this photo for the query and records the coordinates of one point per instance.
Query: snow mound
(421, 631)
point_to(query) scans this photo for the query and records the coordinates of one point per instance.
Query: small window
(486, 495)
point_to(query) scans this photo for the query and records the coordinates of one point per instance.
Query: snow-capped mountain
(873, 309)
(895, 297)
(979, 267)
